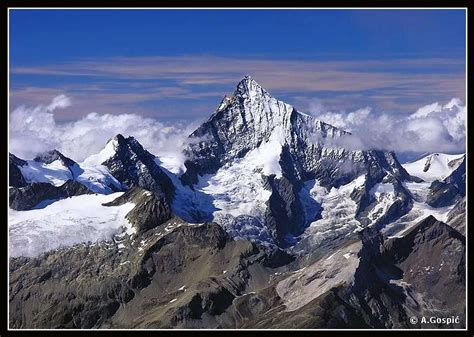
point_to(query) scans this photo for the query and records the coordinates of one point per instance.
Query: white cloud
(426, 110)
(316, 106)
(33, 130)
(346, 121)
(59, 102)
(432, 128)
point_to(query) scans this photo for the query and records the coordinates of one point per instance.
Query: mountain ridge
(275, 150)
(276, 223)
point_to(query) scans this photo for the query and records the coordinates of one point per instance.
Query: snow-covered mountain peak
(255, 103)
(106, 153)
(120, 140)
(116, 145)
(244, 121)
(116, 140)
(255, 110)
(51, 156)
(251, 118)
(129, 147)
(132, 165)
(434, 166)
(248, 86)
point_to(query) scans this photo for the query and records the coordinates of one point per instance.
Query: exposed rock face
(149, 212)
(457, 217)
(451, 189)
(32, 195)
(411, 275)
(284, 213)
(391, 283)
(15, 178)
(185, 276)
(231, 284)
(132, 165)
(434, 267)
(376, 301)
(189, 276)
(368, 206)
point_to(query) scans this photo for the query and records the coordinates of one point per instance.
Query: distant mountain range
(275, 223)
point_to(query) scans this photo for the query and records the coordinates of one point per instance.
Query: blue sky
(177, 64)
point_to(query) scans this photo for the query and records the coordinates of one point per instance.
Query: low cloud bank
(432, 128)
(34, 130)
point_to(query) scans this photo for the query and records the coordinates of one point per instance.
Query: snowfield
(65, 223)
(418, 212)
(95, 177)
(106, 153)
(55, 173)
(252, 130)
(98, 179)
(234, 197)
(433, 167)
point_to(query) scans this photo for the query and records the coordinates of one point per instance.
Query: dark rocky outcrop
(15, 177)
(457, 216)
(184, 276)
(284, 215)
(410, 276)
(194, 276)
(451, 189)
(150, 209)
(32, 195)
(132, 165)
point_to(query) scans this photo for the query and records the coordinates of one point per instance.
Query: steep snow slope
(54, 173)
(239, 197)
(98, 179)
(66, 222)
(418, 212)
(436, 166)
(106, 153)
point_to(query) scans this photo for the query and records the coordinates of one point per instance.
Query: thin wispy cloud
(282, 75)
(148, 84)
